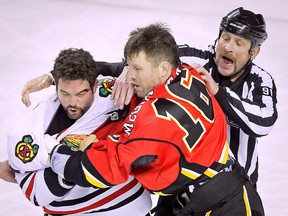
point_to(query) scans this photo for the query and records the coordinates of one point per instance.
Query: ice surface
(32, 32)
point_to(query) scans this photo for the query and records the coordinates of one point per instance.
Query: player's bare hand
(123, 90)
(34, 85)
(6, 173)
(87, 141)
(211, 84)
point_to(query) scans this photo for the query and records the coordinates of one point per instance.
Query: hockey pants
(227, 194)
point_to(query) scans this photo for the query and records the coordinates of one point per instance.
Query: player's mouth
(73, 110)
(226, 60)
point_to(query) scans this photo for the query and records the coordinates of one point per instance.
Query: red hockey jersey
(174, 138)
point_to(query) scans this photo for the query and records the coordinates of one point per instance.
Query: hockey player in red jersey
(173, 141)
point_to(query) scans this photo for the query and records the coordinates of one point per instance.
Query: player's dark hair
(156, 42)
(74, 64)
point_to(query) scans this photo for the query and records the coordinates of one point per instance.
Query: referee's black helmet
(245, 24)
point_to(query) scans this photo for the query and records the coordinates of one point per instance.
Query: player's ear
(255, 52)
(95, 86)
(165, 69)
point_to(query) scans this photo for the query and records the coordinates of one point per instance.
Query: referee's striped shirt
(249, 104)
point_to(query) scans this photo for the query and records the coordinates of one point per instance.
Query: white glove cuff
(59, 157)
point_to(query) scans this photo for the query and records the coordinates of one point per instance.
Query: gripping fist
(211, 84)
(123, 90)
(6, 173)
(87, 141)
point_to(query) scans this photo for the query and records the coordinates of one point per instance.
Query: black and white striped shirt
(249, 104)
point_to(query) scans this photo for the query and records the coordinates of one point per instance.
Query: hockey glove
(59, 157)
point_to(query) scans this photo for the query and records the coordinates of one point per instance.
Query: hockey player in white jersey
(79, 107)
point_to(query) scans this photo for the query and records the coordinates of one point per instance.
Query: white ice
(32, 32)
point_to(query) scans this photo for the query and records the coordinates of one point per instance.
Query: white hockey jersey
(43, 187)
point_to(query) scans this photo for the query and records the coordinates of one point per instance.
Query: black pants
(223, 195)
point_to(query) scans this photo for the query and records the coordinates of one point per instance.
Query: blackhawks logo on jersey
(25, 151)
(105, 86)
(73, 140)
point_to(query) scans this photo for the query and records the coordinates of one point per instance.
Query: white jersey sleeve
(25, 148)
